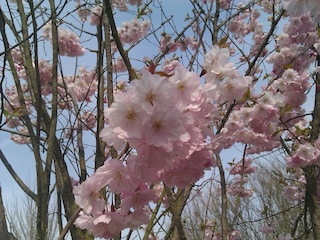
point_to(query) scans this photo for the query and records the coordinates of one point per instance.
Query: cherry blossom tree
(125, 109)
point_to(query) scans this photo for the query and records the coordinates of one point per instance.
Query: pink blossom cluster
(81, 86)
(294, 85)
(169, 66)
(257, 122)
(297, 7)
(69, 42)
(295, 191)
(254, 123)
(258, 38)
(18, 63)
(237, 187)
(22, 136)
(89, 120)
(306, 154)
(95, 16)
(239, 26)
(224, 4)
(164, 121)
(13, 104)
(247, 22)
(13, 108)
(294, 45)
(83, 12)
(268, 228)
(45, 72)
(290, 70)
(119, 66)
(243, 167)
(105, 220)
(17, 58)
(122, 5)
(132, 31)
(168, 45)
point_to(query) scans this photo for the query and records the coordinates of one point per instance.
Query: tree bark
(312, 172)
(177, 203)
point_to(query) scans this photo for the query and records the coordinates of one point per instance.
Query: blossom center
(181, 86)
(150, 97)
(131, 115)
(157, 126)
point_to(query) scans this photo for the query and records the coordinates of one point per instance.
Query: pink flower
(293, 193)
(82, 86)
(85, 221)
(111, 138)
(119, 65)
(69, 42)
(233, 88)
(137, 218)
(237, 187)
(267, 228)
(126, 117)
(217, 64)
(170, 65)
(153, 91)
(163, 128)
(86, 194)
(186, 85)
(132, 31)
(115, 175)
(243, 167)
(89, 120)
(298, 7)
(305, 155)
(95, 16)
(22, 136)
(113, 222)
(137, 199)
(147, 166)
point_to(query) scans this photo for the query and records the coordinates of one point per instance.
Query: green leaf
(6, 113)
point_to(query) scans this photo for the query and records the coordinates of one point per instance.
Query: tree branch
(15, 176)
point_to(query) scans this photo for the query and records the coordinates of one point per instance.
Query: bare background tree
(271, 212)
(22, 219)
